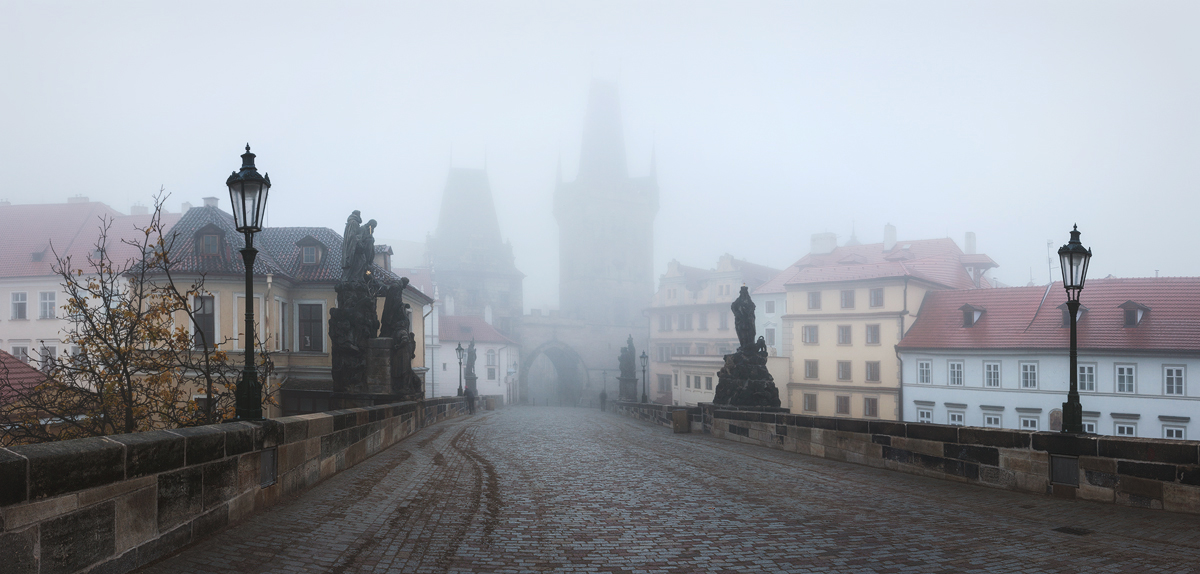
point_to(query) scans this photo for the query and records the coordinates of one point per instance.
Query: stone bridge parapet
(115, 503)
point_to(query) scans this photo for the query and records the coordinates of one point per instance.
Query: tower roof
(468, 231)
(602, 155)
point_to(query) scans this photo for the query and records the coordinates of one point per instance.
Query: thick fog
(769, 121)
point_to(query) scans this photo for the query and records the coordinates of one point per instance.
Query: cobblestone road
(531, 489)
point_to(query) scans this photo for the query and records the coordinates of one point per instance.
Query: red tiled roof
(71, 229)
(937, 261)
(16, 377)
(466, 328)
(1018, 318)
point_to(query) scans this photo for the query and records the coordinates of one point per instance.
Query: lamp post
(459, 351)
(1073, 258)
(645, 361)
(248, 199)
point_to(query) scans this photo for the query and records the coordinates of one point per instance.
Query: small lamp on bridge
(248, 196)
(1074, 259)
(645, 362)
(459, 351)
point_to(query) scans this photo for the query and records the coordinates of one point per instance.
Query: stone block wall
(658, 414)
(112, 504)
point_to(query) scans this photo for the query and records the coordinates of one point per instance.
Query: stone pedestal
(745, 381)
(628, 389)
(379, 366)
(469, 384)
(352, 324)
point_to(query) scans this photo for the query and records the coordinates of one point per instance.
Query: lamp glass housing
(645, 359)
(459, 351)
(1073, 260)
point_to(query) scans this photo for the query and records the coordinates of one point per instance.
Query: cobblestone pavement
(535, 489)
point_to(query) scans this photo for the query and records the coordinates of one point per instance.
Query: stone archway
(552, 374)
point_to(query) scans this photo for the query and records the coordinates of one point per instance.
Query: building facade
(691, 327)
(496, 356)
(1000, 358)
(848, 306)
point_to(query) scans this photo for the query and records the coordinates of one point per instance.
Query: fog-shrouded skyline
(769, 121)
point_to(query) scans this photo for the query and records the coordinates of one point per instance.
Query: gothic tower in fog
(606, 225)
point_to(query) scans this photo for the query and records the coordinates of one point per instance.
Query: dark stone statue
(353, 323)
(396, 325)
(470, 368)
(358, 248)
(744, 379)
(627, 360)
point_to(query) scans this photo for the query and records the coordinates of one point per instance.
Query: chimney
(5, 202)
(487, 314)
(210, 202)
(969, 243)
(77, 199)
(185, 207)
(139, 210)
(889, 237)
(823, 243)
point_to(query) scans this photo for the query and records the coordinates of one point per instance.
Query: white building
(1000, 358)
(496, 358)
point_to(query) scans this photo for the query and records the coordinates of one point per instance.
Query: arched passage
(552, 374)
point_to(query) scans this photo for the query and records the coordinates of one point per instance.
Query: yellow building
(848, 306)
(691, 327)
(294, 277)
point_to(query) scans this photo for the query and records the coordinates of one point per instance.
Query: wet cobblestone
(531, 489)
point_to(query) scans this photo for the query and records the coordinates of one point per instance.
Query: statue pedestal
(628, 389)
(379, 366)
(469, 384)
(744, 381)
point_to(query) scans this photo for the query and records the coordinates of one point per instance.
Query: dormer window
(37, 256)
(1066, 315)
(1134, 313)
(311, 250)
(208, 240)
(309, 255)
(971, 314)
(210, 244)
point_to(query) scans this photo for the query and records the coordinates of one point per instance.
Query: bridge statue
(469, 375)
(744, 379)
(627, 380)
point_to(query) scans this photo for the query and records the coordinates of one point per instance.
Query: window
(1173, 376)
(848, 299)
(1131, 317)
(685, 321)
(843, 405)
(924, 372)
(1174, 432)
(1125, 378)
(1089, 427)
(204, 312)
(677, 379)
(308, 316)
(18, 306)
(924, 415)
(682, 349)
(877, 297)
(954, 376)
(664, 383)
(770, 336)
(843, 370)
(310, 254)
(664, 322)
(843, 334)
(701, 349)
(872, 334)
(991, 375)
(814, 300)
(1029, 423)
(955, 418)
(870, 407)
(810, 402)
(21, 352)
(46, 305)
(491, 373)
(664, 354)
(1126, 429)
(1029, 375)
(810, 368)
(708, 383)
(873, 371)
(808, 334)
(703, 321)
(991, 421)
(210, 244)
(47, 355)
(1087, 377)
(770, 306)
(491, 357)
(724, 320)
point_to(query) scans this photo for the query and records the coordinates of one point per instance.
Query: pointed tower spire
(602, 155)
(558, 175)
(654, 160)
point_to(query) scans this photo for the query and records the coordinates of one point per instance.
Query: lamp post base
(1072, 417)
(247, 397)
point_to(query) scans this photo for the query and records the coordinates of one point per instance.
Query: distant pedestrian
(470, 394)
(603, 398)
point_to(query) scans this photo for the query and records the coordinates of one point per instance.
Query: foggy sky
(771, 121)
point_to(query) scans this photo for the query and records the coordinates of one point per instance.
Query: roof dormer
(312, 251)
(208, 240)
(971, 314)
(1134, 312)
(1066, 315)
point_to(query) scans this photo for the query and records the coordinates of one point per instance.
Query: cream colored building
(848, 306)
(691, 327)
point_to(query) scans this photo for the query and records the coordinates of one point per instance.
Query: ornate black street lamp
(1074, 258)
(248, 198)
(459, 351)
(645, 361)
